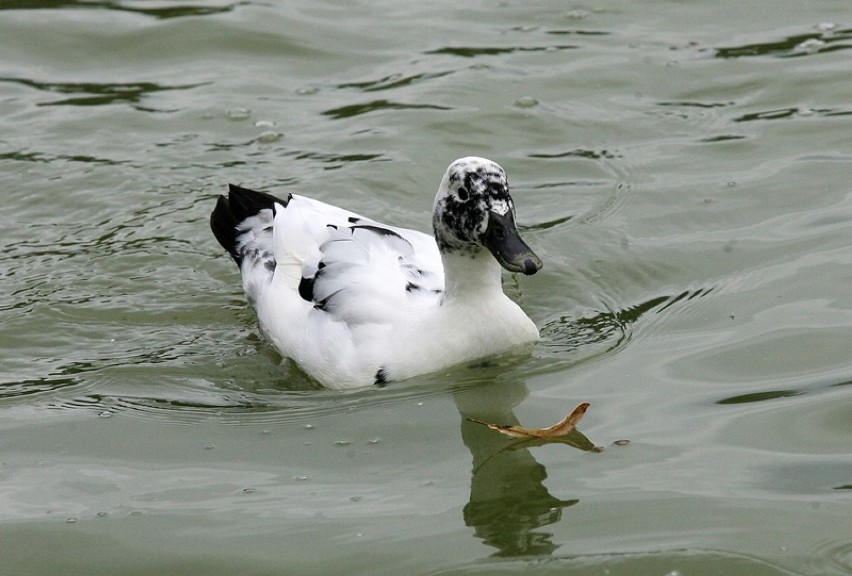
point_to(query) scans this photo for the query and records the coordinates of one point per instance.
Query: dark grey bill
(503, 241)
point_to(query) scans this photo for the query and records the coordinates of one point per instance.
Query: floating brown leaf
(554, 433)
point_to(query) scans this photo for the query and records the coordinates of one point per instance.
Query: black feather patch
(306, 289)
(382, 377)
(224, 227)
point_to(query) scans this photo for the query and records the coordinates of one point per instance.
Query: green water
(682, 168)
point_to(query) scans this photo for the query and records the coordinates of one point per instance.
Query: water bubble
(269, 137)
(308, 426)
(342, 443)
(102, 514)
(623, 442)
(577, 14)
(105, 414)
(264, 124)
(70, 520)
(375, 441)
(249, 490)
(526, 102)
(309, 91)
(302, 478)
(209, 446)
(238, 113)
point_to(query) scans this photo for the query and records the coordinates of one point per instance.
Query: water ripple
(577, 153)
(474, 51)
(99, 94)
(163, 12)
(792, 112)
(353, 110)
(653, 562)
(792, 46)
(569, 340)
(835, 555)
(393, 81)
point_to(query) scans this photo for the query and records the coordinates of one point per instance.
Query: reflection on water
(509, 503)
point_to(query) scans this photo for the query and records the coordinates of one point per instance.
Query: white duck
(355, 302)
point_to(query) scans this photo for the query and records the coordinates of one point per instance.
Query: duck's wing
(361, 271)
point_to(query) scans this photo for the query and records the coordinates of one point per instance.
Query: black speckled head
(473, 209)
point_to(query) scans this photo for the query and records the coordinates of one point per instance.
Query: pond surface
(684, 169)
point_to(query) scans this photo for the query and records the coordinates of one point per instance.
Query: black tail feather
(240, 204)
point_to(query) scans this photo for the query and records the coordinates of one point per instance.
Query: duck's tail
(242, 223)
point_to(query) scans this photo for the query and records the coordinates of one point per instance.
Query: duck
(355, 302)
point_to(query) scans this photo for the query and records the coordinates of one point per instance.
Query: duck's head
(473, 209)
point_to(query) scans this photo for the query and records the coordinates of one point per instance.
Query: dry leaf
(551, 434)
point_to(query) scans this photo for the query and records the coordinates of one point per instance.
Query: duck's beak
(503, 241)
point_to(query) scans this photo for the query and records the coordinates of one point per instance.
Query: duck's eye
(462, 192)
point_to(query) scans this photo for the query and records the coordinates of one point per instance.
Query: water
(683, 170)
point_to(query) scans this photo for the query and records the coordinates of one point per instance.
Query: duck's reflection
(509, 503)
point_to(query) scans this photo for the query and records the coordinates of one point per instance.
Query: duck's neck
(469, 274)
